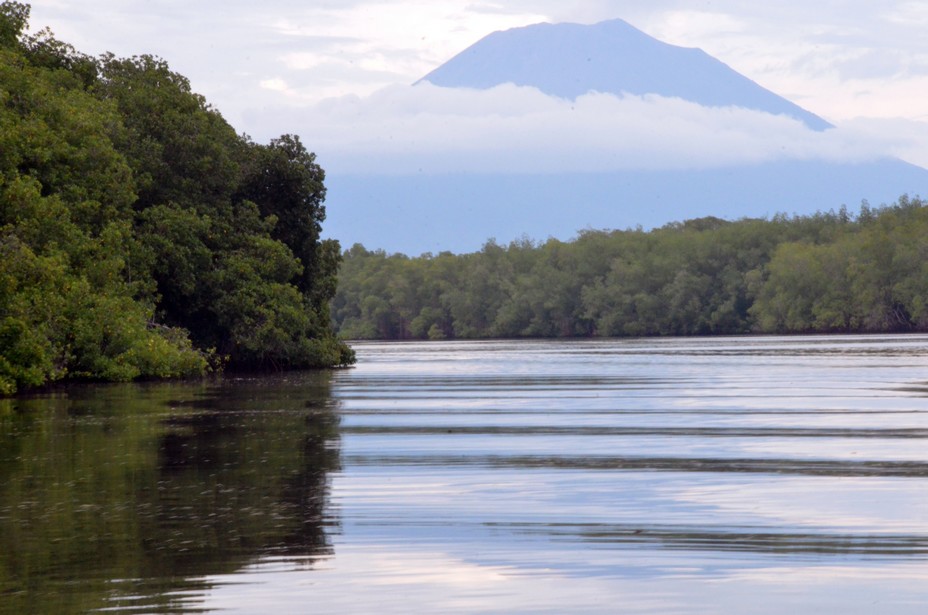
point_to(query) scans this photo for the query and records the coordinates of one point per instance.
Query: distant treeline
(140, 236)
(828, 272)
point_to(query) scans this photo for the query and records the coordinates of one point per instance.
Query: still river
(689, 476)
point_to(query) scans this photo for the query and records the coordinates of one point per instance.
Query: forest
(140, 236)
(829, 272)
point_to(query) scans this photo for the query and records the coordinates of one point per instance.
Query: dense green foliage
(829, 272)
(140, 236)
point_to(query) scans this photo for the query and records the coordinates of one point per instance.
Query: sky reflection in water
(755, 475)
(535, 477)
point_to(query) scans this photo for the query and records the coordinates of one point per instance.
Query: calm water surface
(735, 475)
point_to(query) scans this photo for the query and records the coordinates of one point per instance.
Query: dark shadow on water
(809, 467)
(699, 432)
(746, 539)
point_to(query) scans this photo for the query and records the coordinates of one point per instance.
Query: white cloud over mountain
(430, 129)
(839, 59)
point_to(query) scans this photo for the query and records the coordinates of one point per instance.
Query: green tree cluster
(140, 236)
(828, 272)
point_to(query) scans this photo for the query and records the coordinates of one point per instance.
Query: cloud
(903, 138)
(814, 53)
(277, 84)
(841, 59)
(909, 14)
(510, 129)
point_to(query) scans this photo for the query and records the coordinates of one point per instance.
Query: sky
(339, 74)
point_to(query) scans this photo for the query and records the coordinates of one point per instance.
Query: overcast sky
(337, 73)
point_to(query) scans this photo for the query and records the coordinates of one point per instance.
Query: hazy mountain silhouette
(459, 212)
(569, 60)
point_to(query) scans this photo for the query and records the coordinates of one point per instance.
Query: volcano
(415, 212)
(569, 60)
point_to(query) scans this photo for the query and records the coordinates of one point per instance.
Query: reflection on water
(666, 464)
(127, 496)
(756, 539)
(752, 475)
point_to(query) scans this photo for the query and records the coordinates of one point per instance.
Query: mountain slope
(421, 212)
(569, 60)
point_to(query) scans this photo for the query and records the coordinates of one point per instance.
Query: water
(733, 475)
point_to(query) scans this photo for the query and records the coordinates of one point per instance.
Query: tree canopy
(140, 236)
(828, 272)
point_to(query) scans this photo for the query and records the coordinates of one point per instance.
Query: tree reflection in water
(126, 496)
